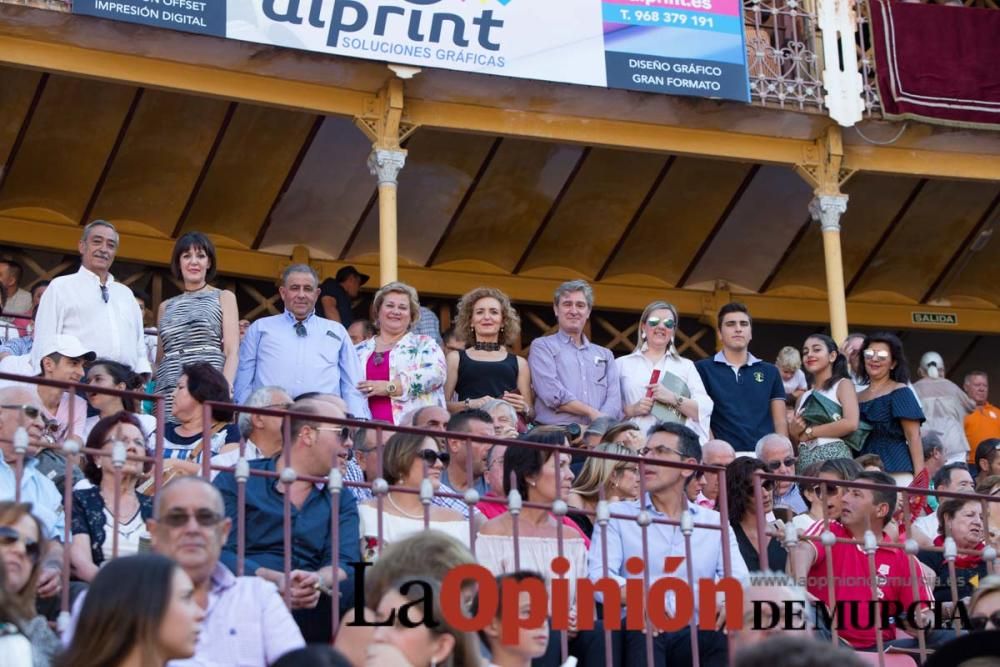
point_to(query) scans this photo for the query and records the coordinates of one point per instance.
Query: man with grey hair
(776, 451)
(246, 621)
(300, 351)
(263, 434)
(90, 305)
(773, 604)
(574, 380)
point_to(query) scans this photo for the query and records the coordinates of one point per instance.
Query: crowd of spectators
(301, 524)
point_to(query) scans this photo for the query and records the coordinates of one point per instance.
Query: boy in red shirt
(852, 577)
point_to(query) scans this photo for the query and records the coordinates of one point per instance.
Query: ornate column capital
(827, 209)
(386, 164)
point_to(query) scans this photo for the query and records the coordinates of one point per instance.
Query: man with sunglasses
(575, 381)
(665, 499)
(748, 393)
(776, 452)
(299, 350)
(317, 446)
(246, 620)
(20, 407)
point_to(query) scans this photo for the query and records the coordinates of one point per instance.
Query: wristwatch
(808, 433)
(679, 402)
(391, 388)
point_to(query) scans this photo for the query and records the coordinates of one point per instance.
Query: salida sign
(686, 47)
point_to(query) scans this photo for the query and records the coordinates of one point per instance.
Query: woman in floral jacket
(403, 370)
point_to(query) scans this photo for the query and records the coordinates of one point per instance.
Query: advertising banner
(679, 47)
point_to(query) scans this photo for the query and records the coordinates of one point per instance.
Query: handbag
(818, 409)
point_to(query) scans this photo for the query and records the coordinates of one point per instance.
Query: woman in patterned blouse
(94, 520)
(403, 370)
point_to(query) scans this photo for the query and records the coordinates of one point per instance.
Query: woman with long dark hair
(140, 611)
(889, 405)
(829, 385)
(743, 514)
(109, 374)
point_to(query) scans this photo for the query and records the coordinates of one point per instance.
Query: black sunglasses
(978, 623)
(430, 456)
(29, 411)
(830, 489)
(205, 518)
(788, 463)
(9, 536)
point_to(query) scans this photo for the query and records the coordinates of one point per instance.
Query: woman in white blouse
(406, 461)
(645, 402)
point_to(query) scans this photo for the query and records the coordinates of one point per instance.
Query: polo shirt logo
(758, 376)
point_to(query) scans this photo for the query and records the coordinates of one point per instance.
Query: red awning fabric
(937, 63)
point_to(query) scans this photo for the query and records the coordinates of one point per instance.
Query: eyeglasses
(29, 411)
(830, 489)
(9, 537)
(342, 431)
(430, 456)
(629, 468)
(206, 518)
(105, 294)
(788, 463)
(881, 355)
(660, 450)
(300, 330)
(978, 623)
(657, 321)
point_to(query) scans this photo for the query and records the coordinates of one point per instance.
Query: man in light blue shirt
(300, 351)
(665, 500)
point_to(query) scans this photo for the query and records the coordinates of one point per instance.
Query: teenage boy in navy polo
(748, 393)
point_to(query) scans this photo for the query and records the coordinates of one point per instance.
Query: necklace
(486, 347)
(379, 355)
(197, 289)
(401, 510)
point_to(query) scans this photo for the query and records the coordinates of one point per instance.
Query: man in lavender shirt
(246, 621)
(574, 380)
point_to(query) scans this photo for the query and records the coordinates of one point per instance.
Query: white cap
(932, 364)
(66, 345)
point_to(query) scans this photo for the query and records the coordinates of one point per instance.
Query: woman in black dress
(486, 369)
(743, 514)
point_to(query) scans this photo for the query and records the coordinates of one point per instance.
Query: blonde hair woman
(657, 383)
(486, 369)
(403, 370)
(619, 479)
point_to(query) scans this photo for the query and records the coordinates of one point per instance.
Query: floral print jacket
(419, 363)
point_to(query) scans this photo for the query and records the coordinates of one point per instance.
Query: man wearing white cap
(945, 406)
(92, 306)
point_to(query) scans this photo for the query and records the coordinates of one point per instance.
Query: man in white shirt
(15, 301)
(92, 306)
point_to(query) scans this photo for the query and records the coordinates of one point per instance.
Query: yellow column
(386, 165)
(826, 210)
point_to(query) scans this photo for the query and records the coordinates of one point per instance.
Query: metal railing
(784, 54)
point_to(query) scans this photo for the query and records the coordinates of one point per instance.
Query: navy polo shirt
(742, 412)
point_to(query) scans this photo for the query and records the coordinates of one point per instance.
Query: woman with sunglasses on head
(22, 542)
(830, 380)
(487, 370)
(406, 461)
(889, 405)
(618, 479)
(657, 383)
(140, 611)
(94, 520)
(109, 374)
(743, 514)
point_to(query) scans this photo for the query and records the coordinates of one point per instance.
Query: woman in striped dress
(200, 325)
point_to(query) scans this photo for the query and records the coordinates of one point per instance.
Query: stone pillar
(826, 210)
(386, 164)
